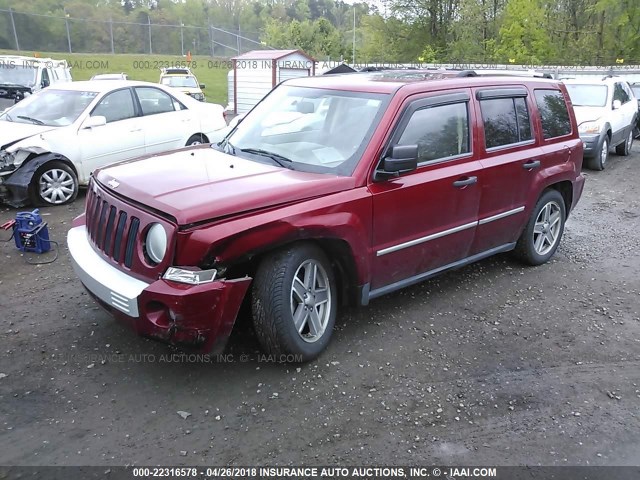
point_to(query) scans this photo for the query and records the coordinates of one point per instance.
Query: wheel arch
(44, 158)
(566, 190)
(338, 251)
(23, 175)
(203, 137)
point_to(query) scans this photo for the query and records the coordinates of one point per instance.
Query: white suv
(606, 110)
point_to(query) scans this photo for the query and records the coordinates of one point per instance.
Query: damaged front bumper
(201, 316)
(13, 191)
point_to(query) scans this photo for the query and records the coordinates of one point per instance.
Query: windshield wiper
(31, 119)
(11, 85)
(281, 161)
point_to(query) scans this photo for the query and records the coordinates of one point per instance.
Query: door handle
(531, 164)
(135, 130)
(465, 182)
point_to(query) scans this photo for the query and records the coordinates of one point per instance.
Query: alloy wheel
(546, 230)
(311, 301)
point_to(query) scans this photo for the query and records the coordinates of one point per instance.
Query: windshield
(309, 129)
(54, 108)
(17, 74)
(188, 82)
(587, 95)
(636, 91)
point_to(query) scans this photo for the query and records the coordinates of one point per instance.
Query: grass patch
(212, 72)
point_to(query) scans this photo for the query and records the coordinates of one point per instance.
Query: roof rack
(176, 70)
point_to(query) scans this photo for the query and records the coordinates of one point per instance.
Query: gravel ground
(494, 364)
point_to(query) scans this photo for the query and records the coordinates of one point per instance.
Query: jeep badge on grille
(113, 183)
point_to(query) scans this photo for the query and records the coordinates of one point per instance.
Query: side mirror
(404, 158)
(617, 104)
(202, 86)
(96, 121)
(45, 83)
(305, 107)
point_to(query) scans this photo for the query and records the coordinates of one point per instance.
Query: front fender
(344, 217)
(19, 181)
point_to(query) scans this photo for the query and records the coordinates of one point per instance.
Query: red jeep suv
(332, 190)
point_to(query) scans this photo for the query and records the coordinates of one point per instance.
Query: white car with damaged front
(52, 141)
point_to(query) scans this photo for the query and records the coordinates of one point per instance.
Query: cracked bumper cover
(197, 315)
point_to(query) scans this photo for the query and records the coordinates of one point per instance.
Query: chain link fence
(46, 33)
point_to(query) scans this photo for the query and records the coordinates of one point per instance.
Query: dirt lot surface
(494, 364)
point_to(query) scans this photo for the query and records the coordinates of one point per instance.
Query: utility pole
(15, 32)
(66, 23)
(213, 48)
(150, 45)
(111, 34)
(181, 39)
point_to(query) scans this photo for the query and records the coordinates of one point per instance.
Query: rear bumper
(196, 315)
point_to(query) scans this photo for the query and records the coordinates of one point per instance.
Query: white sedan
(51, 141)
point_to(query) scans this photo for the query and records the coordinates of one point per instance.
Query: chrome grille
(111, 230)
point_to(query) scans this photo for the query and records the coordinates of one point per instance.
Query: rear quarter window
(554, 114)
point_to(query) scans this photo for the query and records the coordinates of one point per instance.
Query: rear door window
(554, 114)
(154, 101)
(506, 121)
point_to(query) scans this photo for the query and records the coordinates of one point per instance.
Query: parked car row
(331, 191)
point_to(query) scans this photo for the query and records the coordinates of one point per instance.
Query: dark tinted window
(441, 131)
(553, 113)
(619, 93)
(522, 115)
(506, 121)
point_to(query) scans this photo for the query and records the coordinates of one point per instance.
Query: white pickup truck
(22, 76)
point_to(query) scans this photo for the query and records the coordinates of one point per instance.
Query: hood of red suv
(200, 184)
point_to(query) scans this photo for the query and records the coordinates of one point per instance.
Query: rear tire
(624, 149)
(197, 139)
(542, 234)
(54, 183)
(294, 303)
(600, 160)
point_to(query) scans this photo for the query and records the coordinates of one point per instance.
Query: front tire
(624, 149)
(600, 160)
(294, 302)
(54, 183)
(542, 234)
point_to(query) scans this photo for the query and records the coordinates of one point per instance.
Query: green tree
(522, 36)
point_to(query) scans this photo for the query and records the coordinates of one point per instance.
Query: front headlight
(156, 243)
(589, 127)
(190, 277)
(198, 96)
(6, 159)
